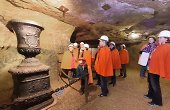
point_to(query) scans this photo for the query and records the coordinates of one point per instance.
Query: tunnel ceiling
(115, 18)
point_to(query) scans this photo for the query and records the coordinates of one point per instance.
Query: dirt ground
(128, 95)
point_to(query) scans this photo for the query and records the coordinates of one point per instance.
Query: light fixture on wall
(134, 35)
(63, 9)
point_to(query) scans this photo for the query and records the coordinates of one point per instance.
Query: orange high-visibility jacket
(124, 56)
(103, 63)
(76, 51)
(66, 60)
(160, 61)
(87, 56)
(116, 59)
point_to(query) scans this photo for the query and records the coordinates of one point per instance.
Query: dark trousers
(150, 89)
(113, 78)
(155, 84)
(98, 79)
(143, 71)
(82, 85)
(123, 70)
(74, 73)
(104, 88)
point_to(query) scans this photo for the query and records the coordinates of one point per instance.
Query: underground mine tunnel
(34, 35)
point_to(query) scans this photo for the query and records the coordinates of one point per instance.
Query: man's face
(80, 61)
(81, 45)
(101, 43)
(75, 47)
(121, 47)
(70, 49)
(162, 40)
(111, 46)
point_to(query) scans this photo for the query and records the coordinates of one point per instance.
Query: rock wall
(134, 54)
(53, 41)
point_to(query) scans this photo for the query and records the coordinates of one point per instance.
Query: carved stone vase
(32, 89)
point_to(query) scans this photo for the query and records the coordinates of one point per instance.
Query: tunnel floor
(128, 95)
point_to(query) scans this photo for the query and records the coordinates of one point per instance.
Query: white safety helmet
(75, 44)
(86, 45)
(104, 37)
(71, 45)
(123, 45)
(112, 43)
(164, 33)
(82, 43)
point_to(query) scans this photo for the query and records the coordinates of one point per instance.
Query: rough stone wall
(53, 41)
(134, 55)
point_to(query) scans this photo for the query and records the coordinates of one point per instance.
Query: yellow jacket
(66, 60)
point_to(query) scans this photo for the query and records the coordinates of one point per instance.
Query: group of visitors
(77, 60)
(154, 58)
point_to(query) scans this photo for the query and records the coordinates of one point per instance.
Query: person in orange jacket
(68, 62)
(115, 60)
(88, 56)
(103, 64)
(124, 58)
(159, 66)
(76, 53)
(97, 75)
(81, 50)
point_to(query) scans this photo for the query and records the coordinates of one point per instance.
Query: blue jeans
(142, 71)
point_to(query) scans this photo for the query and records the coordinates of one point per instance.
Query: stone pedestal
(31, 78)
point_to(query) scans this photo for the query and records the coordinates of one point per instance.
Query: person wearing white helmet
(68, 61)
(81, 45)
(144, 59)
(104, 38)
(98, 83)
(124, 58)
(103, 64)
(112, 43)
(75, 45)
(159, 66)
(88, 56)
(81, 51)
(164, 36)
(86, 46)
(115, 60)
(146, 50)
(70, 47)
(76, 53)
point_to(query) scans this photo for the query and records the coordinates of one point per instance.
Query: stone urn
(32, 89)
